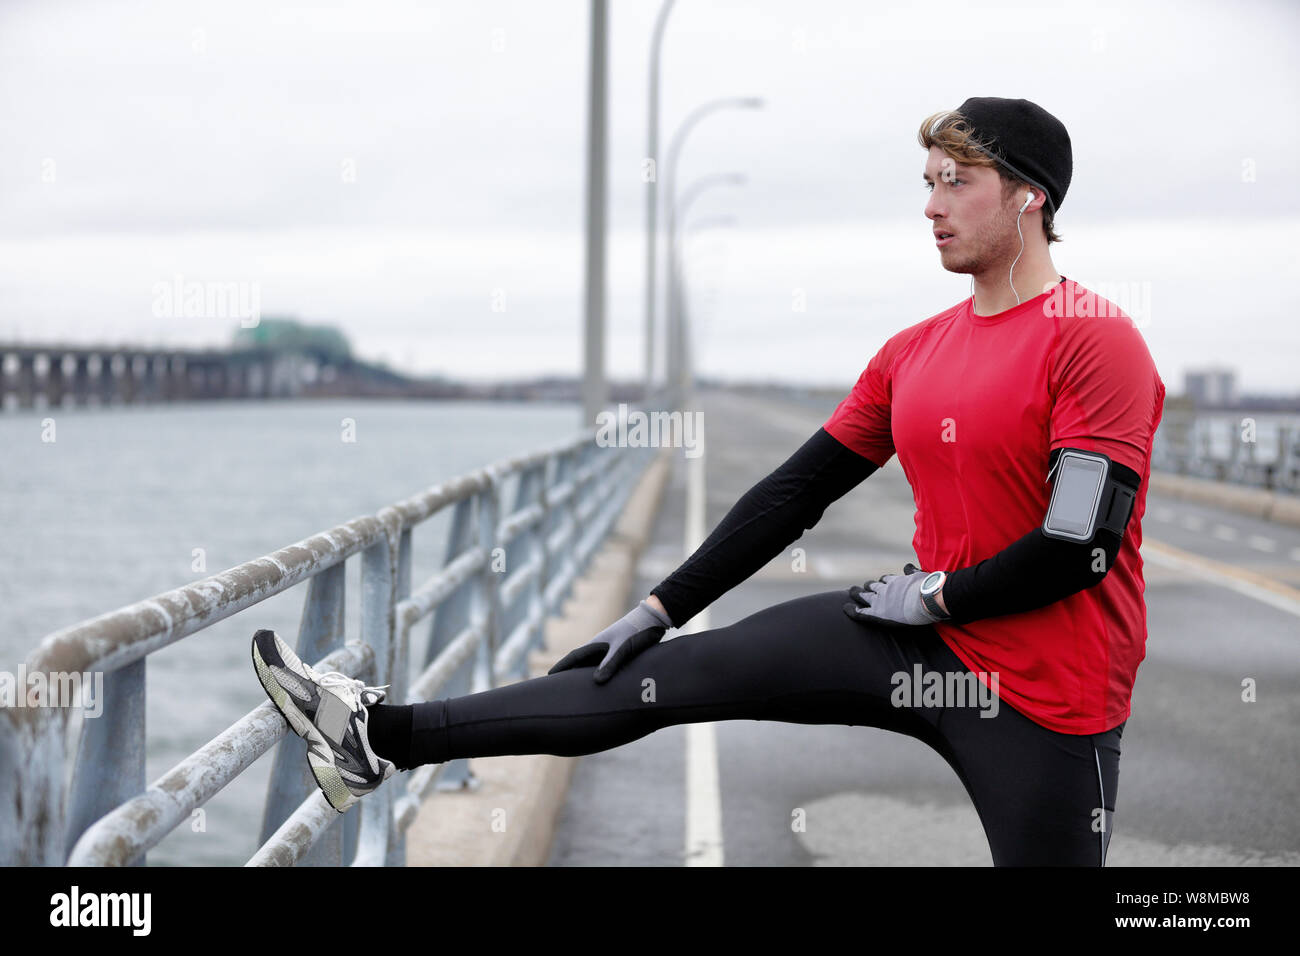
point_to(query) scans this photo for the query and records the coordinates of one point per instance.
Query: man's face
(967, 202)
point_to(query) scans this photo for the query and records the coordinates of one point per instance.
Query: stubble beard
(995, 246)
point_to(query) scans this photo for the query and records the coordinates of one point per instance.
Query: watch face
(931, 582)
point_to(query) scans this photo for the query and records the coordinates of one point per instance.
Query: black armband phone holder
(1086, 496)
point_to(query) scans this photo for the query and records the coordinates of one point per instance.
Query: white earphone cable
(1018, 255)
(1011, 272)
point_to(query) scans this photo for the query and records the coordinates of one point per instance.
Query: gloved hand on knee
(893, 600)
(619, 643)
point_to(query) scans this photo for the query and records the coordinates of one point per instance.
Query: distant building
(1211, 387)
(323, 342)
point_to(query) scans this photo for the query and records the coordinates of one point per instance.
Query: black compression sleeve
(766, 519)
(1033, 571)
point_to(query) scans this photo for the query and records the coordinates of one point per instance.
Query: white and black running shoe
(329, 712)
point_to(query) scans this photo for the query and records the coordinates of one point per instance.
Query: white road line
(703, 794)
(1261, 543)
(1192, 522)
(1280, 596)
(1224, 533)
(703, 797)
(1295, 554)
(1163, 514)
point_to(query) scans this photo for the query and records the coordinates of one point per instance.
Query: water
(124, 503)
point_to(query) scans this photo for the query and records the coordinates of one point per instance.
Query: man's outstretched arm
(761, 524)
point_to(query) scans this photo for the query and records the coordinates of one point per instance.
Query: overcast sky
(414, 172)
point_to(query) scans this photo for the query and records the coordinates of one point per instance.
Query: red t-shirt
(974, 405)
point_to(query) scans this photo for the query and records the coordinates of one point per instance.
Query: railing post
(568, 471)
(448, 620)
(535, 606)
(1237, 465)
(487, 607)
(400, 679)
(110, 754)
(320, 632)
(379, 576)
(32, 818)
(400, 674)
(550, 469)
(519, 553)
(1290, 458)
(587, 489)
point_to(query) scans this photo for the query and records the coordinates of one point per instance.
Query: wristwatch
(931, 586)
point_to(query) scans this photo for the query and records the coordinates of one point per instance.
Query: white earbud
(1029, 197)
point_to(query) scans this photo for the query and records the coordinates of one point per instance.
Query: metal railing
(504, 573)
(1261, 449)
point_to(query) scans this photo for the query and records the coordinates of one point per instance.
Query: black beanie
(1026, 140)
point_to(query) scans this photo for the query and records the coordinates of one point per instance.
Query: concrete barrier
(1274, 506)
(510, 818)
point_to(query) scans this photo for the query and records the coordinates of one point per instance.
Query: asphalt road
(1205, 777)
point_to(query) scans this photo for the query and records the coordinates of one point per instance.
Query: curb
(510, 818)
(1273, 506)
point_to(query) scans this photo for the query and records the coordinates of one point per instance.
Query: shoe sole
(327, 775)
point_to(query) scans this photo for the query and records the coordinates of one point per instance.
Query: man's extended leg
(801, 661)
(1043, 797)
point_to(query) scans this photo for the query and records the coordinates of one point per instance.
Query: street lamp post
(677, 297)
(652, 195)
(595, 389)
(688, 318)
(674, 151)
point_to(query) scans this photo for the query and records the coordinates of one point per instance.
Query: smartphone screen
(1074, 496)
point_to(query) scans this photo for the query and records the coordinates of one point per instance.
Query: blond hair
(956, 138)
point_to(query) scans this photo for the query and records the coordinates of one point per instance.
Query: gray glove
(893, 600)
(617, 644)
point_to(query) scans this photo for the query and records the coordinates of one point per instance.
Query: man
(1023, 418)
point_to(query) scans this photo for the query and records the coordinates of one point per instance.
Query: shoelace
(351, 686)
